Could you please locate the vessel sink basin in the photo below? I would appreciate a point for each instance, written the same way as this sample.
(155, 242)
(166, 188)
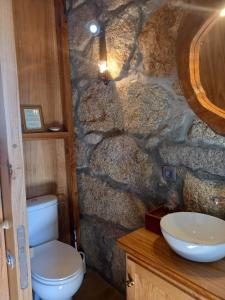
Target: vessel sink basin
(194, 236)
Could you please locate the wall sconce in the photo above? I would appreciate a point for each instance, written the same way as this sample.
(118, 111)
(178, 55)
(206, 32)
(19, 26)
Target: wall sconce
(103, 72)
(222, 12)
(97, 29)
(103, 67)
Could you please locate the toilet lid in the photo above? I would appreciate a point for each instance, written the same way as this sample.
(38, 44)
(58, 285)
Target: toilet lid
(55, 261)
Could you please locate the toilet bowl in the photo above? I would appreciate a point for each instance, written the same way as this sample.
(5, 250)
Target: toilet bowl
(57, 269)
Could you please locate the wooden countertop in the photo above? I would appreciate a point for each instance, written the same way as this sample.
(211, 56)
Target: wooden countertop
(207, 279)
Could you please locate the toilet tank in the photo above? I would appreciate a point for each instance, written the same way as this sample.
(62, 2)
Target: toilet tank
(42, 219)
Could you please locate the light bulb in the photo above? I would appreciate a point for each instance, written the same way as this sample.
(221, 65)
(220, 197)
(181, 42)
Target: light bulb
(103, 67)
(222, 12)
(93, 27)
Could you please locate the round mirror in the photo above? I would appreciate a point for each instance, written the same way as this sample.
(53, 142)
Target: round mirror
(201, 64)
(212, 62)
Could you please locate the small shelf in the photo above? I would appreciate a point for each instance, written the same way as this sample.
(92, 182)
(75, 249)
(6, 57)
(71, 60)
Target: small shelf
(45, 135)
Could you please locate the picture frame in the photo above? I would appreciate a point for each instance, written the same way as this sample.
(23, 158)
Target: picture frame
(32, 118)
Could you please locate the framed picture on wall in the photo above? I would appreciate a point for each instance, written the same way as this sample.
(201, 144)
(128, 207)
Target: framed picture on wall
(32, 118)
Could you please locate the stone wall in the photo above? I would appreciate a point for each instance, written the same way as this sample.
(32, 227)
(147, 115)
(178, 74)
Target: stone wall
(127, 131)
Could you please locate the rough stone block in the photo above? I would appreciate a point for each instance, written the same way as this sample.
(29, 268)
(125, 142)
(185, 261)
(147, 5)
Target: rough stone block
(204, 159)
(114, 4)
(199, 193)
(99, 108)
(120, 158)
(99, 199)
(201, 133)
(81, 154)
(120, 39)
(85, 63)
(77, 20)
(93, 138)
(145, 106)
(98, 240)
(157, 41)
(150, 6)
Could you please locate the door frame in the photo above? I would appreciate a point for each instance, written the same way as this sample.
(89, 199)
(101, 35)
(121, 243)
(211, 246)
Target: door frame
(11, 157)
(4, 286)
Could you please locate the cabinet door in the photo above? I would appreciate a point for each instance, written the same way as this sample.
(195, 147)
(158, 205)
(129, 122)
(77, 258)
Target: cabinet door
(144, 285)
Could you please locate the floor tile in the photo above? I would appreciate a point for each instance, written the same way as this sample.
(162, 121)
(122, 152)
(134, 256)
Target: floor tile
(95, 288)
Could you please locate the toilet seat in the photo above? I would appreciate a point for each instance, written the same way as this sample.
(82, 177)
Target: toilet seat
(55, 262)
(62, 282)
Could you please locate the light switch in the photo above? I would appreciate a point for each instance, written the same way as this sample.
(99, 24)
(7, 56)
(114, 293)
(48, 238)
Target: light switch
(169, 173)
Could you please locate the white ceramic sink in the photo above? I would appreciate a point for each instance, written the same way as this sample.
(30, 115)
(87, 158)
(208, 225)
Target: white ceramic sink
(195, 236)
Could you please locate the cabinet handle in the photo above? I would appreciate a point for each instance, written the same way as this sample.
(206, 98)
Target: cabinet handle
(130, 281)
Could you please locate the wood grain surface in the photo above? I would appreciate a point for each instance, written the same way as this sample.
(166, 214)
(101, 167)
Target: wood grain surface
(149, 286)
(204, 279)
(37, 57)
(212, 63)
(65, 81)
(4, 287)
(11, 152)
(188, 48)
(44, 79)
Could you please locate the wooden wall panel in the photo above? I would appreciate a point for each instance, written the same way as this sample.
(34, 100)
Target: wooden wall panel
(45, 167)
(64, 66)
(37, 57)
(44, 79)
(45, 172)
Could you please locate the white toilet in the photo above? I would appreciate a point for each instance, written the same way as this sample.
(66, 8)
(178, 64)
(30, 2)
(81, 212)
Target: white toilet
(57, 269)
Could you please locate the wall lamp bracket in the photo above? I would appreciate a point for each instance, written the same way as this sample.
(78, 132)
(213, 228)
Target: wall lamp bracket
(97, 29)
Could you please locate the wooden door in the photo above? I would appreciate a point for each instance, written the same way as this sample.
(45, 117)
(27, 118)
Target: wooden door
(11, 163)
(148, 286)
(4, 288)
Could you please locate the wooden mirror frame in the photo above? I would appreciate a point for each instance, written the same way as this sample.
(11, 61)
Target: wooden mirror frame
(194, 26)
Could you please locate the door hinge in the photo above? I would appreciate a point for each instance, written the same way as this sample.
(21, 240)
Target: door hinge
(10, 170)
(10, 259)
(6, 224)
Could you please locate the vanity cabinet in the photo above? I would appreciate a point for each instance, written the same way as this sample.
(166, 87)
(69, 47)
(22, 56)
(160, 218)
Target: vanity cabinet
(155, 272)
(149, 286)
